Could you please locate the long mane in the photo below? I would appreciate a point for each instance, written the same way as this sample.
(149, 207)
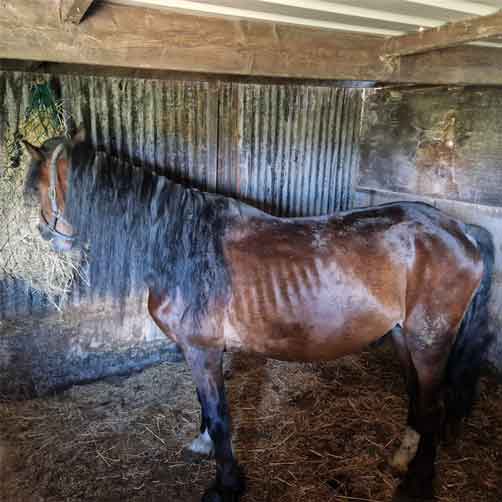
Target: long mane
(145, 230)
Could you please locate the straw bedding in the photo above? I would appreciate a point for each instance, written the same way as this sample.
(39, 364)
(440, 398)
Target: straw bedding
(304, 432)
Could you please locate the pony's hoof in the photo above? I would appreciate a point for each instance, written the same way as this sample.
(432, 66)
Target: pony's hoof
(407, 493)
(214, 494)
(228, 493)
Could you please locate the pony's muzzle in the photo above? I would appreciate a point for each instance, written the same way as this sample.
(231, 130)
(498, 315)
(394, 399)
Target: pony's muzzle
(59, 245)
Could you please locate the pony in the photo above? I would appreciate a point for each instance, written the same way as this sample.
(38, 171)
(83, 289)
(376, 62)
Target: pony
(224, 276)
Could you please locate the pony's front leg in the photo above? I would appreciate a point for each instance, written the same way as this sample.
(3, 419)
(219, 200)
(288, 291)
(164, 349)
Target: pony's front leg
(206, 367)
(202, 445)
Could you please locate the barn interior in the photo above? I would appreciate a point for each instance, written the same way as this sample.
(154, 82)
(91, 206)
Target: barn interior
(299, 108)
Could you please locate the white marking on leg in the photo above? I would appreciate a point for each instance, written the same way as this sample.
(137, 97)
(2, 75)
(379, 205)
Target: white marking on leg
(407, 451)
(202, 445)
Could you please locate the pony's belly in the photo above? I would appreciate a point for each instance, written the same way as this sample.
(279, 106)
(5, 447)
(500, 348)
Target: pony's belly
(314, 340)
(312, 308)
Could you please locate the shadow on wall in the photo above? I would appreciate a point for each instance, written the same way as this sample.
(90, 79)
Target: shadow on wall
(51, 351)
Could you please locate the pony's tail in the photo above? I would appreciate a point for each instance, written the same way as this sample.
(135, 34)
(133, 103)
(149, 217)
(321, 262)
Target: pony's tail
(473, 339)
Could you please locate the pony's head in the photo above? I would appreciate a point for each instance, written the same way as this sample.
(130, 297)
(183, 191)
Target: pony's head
(47, 185)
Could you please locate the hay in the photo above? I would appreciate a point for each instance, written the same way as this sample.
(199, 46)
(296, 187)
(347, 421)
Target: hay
(304, 432)
(23, 254)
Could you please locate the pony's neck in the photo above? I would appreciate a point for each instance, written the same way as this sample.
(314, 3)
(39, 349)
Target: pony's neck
(142, 228)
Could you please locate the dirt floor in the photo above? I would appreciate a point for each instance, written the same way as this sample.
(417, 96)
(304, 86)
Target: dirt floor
(303, 432)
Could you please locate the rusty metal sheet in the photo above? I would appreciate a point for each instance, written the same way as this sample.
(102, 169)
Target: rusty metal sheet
(292, 150)
(162, 124)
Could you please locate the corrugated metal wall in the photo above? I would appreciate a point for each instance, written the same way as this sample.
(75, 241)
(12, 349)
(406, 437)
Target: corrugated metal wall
(166, 125)
(290, 149)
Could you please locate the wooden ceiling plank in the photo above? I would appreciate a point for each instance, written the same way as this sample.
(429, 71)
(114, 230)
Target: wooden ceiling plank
(223, 10)
(200, 7)
(354, 11)
(473, 8)
(448, 35)
(139, 37)
(150, 39)
(77, 10)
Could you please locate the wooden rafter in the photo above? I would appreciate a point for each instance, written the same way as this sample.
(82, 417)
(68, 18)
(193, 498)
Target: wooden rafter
(139, 37)
(448, 35)
(147, 39)
(242, 12)
(77, 10)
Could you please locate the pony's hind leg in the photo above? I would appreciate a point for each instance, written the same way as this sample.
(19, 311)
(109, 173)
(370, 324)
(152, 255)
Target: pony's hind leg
(429, 354)
(409, 444)
(206, 367)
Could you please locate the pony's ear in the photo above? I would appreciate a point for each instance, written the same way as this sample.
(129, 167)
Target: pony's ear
(35, 152)
(80, 136)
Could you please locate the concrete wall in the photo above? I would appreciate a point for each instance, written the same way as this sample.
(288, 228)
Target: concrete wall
(442, 146)
(43, 353)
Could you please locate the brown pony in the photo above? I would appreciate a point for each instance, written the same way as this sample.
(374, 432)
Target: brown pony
(222, 275)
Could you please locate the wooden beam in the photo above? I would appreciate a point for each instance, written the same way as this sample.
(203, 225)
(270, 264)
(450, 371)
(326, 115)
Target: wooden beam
(157, 40)
(77, 10)
(244, 13)
(238, 8)
(459, 65)
(448, 35)
(124, 72)
(138, 37)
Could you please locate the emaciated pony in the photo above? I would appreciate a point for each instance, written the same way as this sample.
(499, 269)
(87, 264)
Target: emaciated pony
(222, 275)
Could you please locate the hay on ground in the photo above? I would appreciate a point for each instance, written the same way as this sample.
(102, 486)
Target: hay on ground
(304, 432)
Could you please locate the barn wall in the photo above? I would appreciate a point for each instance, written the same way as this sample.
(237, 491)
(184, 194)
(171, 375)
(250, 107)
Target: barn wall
(443, 146)
(290, 149)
